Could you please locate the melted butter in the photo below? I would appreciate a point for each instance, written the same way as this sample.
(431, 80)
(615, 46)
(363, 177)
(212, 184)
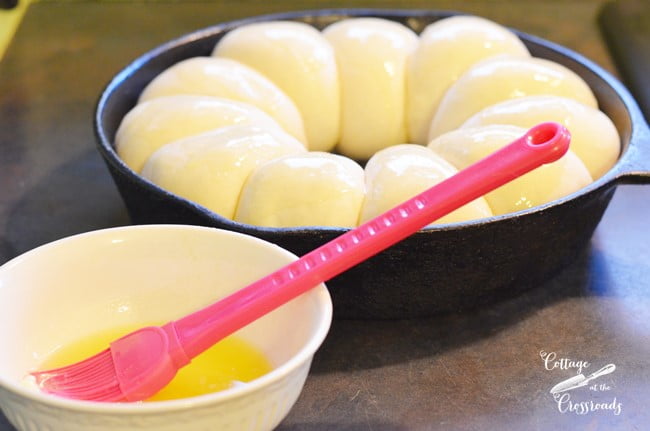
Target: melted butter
(227, 363)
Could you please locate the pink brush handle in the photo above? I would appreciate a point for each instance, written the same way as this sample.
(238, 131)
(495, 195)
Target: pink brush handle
(544, 143)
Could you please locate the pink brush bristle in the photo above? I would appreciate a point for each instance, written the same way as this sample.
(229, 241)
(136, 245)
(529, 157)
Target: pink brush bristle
(93, 379)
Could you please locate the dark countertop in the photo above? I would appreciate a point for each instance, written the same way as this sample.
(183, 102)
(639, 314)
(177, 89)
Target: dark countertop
(473, 371)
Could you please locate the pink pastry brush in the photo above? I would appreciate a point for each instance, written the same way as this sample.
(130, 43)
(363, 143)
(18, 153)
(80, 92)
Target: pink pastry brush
(141, 363)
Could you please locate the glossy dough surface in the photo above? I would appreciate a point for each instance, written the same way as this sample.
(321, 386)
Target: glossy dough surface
(228, 79)
(371, 55)
(400, 172)
(594, 137)
(447, 48)
(160, 121)
(211, 168)
(497, 79)
(311, 189)
(298, 59)
(463, 147)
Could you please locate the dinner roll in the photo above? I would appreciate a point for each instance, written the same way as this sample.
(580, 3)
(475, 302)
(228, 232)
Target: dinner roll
(464, 147)
(211, 168)
(371, 55)
(311, 189)
(298, 59)
(594, 137)
(154, 123)
(501, 78)
(398, 173)
(446, 49)
(228, 79)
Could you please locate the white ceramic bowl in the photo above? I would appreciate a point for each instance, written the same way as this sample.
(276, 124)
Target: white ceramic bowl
(78, 286)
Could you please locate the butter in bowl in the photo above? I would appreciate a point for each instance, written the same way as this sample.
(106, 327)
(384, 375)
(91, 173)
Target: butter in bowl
(87, 288)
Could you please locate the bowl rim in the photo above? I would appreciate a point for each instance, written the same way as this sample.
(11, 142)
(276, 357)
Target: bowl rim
(614, 175)
(304, 355)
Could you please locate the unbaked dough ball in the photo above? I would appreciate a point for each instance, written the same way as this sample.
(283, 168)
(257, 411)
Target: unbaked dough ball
(446, 49)
(497, 79)
(152, 124)
(298, 59)
(464, 147)
(371, 55)
(400, 172)
(312, 189)
(594, 137)
(229, 79)
(211, 168)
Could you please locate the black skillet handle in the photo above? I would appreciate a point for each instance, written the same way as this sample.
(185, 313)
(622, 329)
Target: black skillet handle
(634, 166)
(625, 25)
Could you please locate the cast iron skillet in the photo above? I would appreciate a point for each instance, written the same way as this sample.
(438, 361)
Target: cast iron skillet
(440, 269)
